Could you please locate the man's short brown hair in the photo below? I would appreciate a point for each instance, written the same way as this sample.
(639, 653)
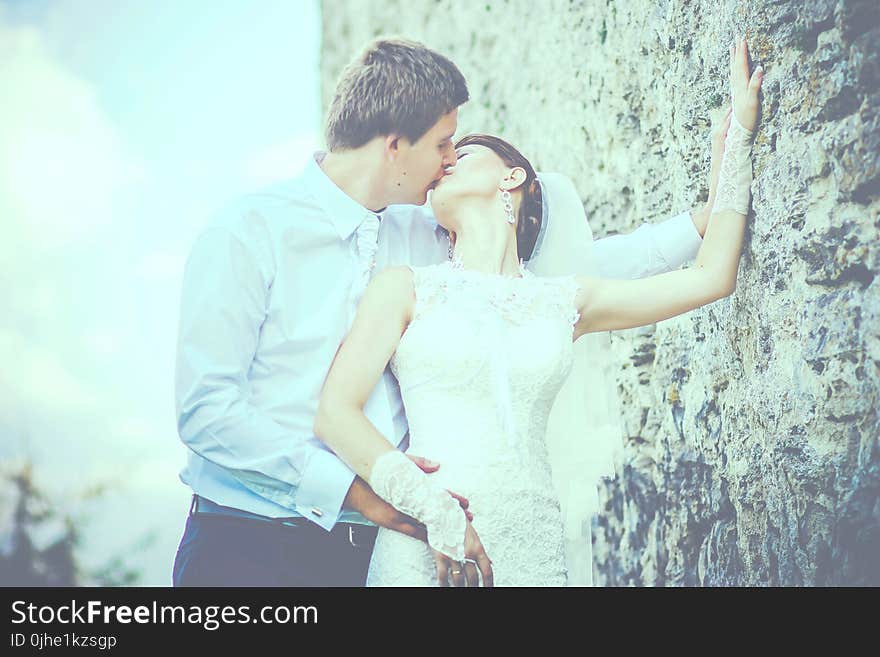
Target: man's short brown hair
(395, 86)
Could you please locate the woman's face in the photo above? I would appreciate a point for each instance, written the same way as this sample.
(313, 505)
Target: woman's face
(476, 176)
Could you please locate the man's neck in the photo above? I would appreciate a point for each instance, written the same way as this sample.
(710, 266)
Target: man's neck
(350, 172)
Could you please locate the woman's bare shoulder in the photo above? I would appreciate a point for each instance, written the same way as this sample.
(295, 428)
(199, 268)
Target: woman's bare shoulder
(392, 279)
(392, 289)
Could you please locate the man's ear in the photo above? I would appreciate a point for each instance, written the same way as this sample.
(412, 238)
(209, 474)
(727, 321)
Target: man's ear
(392, 146)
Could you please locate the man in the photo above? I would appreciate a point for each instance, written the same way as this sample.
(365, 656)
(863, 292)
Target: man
(269, 292)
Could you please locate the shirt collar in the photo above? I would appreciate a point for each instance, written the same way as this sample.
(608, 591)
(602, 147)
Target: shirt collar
(345, 213)
(439, 230)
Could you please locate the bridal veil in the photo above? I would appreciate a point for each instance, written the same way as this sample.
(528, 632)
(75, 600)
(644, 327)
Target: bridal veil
(584, 431)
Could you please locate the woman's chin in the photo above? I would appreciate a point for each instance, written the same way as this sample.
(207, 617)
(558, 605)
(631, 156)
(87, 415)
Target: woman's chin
(440, 204)
(437, 196)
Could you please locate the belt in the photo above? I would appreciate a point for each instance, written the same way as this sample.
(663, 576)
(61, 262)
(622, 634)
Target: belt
(358, 534)
(204, 505)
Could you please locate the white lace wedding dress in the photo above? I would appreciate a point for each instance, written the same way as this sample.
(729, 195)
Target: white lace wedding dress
(479, 367)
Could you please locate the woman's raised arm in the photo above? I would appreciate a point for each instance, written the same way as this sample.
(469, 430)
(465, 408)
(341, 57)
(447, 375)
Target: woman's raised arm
(606, 304)
(611, 304)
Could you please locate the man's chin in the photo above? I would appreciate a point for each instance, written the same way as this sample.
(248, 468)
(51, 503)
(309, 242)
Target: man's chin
(426, 194)
(417, 198)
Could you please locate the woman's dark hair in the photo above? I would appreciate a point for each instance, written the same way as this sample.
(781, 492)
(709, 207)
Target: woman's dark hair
(530, 209)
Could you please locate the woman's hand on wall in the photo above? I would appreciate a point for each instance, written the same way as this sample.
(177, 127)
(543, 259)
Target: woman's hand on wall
(744, 86)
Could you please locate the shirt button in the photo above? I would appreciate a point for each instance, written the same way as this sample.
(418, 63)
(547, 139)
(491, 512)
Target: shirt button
(316, 511)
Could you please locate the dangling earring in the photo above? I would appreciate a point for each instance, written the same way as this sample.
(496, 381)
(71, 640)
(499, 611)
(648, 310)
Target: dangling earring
(508, 206)
(449, 251)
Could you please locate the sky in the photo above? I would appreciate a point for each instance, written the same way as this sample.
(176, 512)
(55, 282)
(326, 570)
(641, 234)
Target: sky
(123, 124)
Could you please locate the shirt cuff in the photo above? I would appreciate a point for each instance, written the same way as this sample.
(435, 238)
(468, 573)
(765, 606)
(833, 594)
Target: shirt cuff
(678, 240)
(322, 489)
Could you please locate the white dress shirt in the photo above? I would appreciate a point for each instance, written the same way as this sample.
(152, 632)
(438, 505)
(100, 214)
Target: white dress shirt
(269, 290)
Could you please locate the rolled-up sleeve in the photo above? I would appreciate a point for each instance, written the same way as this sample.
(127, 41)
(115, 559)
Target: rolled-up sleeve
(649, 250)
(226, 287)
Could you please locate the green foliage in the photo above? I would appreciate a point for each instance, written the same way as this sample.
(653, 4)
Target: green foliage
(23, 563)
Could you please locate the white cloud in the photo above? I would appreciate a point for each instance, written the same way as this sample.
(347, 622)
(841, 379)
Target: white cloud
(279, 161)
(111, 156)
(62, 162)
(161, 266)
(34, 376)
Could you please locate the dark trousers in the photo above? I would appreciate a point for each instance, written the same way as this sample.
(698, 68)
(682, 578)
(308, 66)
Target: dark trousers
(221, 550)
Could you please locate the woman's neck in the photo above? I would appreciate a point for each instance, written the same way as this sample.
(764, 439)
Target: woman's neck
(483, 246)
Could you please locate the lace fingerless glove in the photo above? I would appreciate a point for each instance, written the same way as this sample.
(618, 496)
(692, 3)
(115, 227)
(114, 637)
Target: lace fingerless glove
(400, 482)
(735, 173)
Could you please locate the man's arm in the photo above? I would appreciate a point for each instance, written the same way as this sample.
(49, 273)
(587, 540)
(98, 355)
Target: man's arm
(224, 304)
(650, 249)
(225, 295)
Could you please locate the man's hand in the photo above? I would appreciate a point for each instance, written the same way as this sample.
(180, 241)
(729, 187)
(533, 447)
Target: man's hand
(361, 498)
(476, 562)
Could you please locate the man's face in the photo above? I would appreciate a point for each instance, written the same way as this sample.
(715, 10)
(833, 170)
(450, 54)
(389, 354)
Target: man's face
(421, 165)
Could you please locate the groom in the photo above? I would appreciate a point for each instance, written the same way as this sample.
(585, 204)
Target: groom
(269, 292)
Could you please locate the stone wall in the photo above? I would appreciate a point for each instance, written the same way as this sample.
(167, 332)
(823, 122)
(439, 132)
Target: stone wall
(752, 424)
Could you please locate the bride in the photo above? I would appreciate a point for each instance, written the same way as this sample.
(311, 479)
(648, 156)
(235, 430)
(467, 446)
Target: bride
(481, 348)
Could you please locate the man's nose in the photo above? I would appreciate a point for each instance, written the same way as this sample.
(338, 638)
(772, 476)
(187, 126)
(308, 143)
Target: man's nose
(451, 159)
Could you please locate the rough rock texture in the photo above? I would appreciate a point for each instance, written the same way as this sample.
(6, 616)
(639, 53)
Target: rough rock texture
(752, 427)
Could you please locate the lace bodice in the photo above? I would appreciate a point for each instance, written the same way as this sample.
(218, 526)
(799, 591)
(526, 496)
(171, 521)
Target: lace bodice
(479, 367)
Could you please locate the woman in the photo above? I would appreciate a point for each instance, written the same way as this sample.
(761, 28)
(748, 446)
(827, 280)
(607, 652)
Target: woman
(481, 348)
